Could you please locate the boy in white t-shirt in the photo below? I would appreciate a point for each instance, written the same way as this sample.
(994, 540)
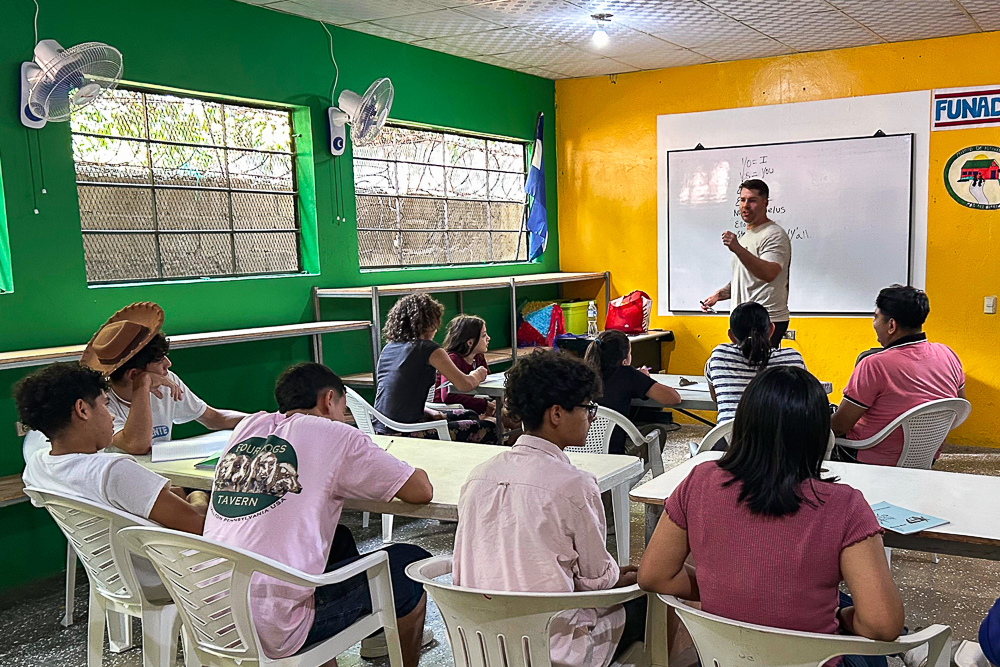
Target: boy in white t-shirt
(146, 398)
(68, 403)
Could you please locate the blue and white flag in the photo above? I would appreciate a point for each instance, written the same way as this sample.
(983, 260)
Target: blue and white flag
(538, 222)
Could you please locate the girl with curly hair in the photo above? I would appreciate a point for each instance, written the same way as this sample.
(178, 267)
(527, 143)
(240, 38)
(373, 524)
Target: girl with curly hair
(407, 370)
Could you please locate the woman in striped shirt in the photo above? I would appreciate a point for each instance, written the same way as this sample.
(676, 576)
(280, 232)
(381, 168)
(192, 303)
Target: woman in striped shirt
(732, 365)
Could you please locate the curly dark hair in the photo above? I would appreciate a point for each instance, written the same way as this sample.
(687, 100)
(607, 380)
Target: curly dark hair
(45, 399)
(411, 317)
(153, 351)
(545, 378)
(299, 386)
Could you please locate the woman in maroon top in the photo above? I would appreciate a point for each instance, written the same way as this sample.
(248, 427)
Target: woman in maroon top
(466, 343)
(771, 537)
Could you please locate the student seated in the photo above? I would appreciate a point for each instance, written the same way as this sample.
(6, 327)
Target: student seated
(406, 373)
(466, 344)
(279, 490)
(146, 397)
(732, 365)
(908, 371)
(771, 536)
(69, 405)
(611, 355)
(529, 520)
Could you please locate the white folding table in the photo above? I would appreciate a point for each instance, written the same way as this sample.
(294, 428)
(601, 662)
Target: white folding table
(962, 499)
(448, 464)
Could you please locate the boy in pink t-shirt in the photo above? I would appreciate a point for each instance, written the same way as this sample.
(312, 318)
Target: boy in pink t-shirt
(279, 490)
(908, 371)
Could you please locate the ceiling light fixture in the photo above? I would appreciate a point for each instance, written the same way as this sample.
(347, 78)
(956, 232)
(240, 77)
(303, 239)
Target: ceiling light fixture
(600, 36)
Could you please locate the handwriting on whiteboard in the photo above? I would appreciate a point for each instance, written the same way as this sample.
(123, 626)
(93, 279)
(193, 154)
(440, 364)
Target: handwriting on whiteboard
(759, 167)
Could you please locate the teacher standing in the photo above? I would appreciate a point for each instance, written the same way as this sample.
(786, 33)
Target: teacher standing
(761, 258)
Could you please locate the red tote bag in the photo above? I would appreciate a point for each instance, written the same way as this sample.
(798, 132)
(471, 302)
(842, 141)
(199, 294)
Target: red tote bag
(629, 313)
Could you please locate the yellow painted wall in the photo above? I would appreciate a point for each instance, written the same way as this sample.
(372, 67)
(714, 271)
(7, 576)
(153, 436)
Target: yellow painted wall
(606, 140)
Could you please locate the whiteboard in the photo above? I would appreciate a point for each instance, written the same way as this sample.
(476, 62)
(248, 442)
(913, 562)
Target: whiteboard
(845, 203)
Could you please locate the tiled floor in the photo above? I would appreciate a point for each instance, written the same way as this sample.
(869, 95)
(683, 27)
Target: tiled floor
(955, 591)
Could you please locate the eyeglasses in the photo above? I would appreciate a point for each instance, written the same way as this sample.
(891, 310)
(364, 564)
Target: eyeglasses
(591, 409)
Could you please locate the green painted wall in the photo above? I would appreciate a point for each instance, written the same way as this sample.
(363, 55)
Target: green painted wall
(229, 48)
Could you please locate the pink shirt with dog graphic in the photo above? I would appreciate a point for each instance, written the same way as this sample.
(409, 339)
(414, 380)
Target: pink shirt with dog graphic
(279, 489)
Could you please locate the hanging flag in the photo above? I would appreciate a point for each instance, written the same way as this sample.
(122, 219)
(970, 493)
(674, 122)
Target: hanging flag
(538, 222)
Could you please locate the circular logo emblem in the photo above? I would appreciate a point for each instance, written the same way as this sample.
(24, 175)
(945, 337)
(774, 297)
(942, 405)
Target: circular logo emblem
(972, 177)
(254, 475)
(338, 143)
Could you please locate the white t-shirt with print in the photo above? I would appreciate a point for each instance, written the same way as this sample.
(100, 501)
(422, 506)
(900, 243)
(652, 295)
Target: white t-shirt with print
(770, 243)
(166, 411)
(116, 480)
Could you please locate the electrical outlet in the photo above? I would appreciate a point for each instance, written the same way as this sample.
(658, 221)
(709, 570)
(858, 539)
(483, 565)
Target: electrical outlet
(789, 335)
(990, 305)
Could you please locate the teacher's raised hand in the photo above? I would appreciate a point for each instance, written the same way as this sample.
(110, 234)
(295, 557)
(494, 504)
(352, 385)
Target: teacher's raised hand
(731, 241)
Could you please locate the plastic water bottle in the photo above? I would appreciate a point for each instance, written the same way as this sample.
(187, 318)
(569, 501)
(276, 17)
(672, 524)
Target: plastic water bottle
(592, 318)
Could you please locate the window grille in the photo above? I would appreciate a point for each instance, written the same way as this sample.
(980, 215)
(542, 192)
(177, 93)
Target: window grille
(432, 198)
(177, 187)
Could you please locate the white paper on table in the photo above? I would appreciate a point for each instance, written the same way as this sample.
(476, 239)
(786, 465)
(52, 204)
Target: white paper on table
(199, 447)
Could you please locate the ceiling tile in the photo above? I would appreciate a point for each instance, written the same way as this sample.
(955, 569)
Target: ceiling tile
(648, 15)
(569, 31)
(382, 31)
(441, 23)
(742, 49)
(367, 10)
(988, 20)
(548, 55)
(596, 67)
(327, 16)
(818, 30)
(513, 13)
(720, 29)
(908, 19)
(625, 41)
(663, 59)
(742, 10)
(538, 71)
(438, 45)
(500, 62)
(492, 42)
(980, 6)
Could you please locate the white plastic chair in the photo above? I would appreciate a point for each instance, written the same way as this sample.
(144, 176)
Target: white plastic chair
(505, 629)
(599, 438)
(718, 432)
(120, 586)
(212, 584)
(924, 429)
(433, 405)
(724, 642)
(363, 416)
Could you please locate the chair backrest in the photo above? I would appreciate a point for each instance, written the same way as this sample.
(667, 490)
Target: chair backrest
(718, 432)
(722, 642)
(926, 426)
(499, 628)
(92, 530)
(599, 435)
(361, 410)
(210, 583)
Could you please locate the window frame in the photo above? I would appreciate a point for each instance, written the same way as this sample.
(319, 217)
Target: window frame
(302, 192)
(522, 231)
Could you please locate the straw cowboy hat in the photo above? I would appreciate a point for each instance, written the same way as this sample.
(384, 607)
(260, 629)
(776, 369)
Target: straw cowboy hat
(128, 331)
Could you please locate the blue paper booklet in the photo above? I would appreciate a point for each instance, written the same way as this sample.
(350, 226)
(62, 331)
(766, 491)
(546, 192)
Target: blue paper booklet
(902, 520)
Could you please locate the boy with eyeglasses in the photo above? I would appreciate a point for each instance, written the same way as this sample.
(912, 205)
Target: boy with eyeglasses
(530, 521)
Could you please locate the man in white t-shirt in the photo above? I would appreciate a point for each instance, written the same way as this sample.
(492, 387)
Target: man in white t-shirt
(146, 398)
(761, 259)
(68, 403)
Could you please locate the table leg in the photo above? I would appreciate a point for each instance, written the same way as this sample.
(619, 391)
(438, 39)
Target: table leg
(653, 513)
(620, 505)
(70, 585)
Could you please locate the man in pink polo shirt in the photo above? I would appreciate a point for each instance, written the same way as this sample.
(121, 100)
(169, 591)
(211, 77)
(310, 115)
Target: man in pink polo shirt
(908, 371)
(279, 489)
(529, 520)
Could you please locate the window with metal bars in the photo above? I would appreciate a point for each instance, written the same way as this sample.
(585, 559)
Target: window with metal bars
(435, 198)
(174, 187)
